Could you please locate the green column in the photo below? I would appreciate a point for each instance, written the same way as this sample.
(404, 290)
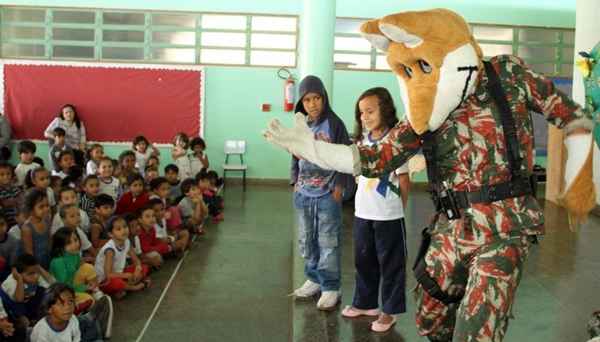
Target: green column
(317, 29)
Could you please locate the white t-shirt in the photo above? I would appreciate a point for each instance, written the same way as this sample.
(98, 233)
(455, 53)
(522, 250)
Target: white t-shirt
(91, 168)
(9, 286)
(370, 204)
(119, 259)
(142, 158)
(112, 188)
(57, 222)
(196, 165)
(185, 169)
(21, 171)
(43, 332)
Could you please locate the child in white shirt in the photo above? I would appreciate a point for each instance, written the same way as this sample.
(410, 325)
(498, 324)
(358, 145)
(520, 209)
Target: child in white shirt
(143, 151)
(26, 154)
(109, 184)
(59, 324)
(180, 157)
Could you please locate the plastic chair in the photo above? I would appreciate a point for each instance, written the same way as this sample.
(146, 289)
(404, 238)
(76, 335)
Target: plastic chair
(235, 147)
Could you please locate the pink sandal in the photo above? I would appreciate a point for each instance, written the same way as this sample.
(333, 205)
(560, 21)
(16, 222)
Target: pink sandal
(352, 312)
(382, 327)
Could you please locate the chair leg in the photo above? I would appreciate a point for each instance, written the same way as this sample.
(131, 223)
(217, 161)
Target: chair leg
(244, 181)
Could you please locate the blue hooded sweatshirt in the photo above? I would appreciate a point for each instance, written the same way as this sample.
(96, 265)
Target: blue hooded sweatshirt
(313, 181)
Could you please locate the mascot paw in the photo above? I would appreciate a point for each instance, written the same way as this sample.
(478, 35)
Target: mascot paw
(579, 197)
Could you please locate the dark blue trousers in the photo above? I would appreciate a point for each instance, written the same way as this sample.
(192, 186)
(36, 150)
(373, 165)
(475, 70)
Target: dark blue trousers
(380, 260)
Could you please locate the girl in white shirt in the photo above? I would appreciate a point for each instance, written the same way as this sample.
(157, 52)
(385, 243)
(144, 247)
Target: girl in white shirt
(143, 151)
(108, 184)
(379, 232)
(94, 155)
(179, 153)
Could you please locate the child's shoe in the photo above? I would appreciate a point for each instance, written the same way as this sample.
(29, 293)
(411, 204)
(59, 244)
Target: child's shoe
(328, 300)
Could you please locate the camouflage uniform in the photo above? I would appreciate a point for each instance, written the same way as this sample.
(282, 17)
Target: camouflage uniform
(487, 247)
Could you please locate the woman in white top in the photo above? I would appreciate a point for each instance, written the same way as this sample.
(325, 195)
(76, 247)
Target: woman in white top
(379, 232)
(75, 135)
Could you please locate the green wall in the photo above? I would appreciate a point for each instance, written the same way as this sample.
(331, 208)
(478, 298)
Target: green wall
(234, 94)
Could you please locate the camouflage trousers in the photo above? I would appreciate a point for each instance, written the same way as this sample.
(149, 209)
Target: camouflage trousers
(488, 275)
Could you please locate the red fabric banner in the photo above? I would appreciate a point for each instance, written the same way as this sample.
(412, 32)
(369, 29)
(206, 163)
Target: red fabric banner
(114, 103)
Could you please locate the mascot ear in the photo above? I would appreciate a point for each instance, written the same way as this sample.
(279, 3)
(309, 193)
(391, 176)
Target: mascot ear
(399, 35)
(370, 31)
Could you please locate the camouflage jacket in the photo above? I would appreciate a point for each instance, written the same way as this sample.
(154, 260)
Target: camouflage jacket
(470, 150)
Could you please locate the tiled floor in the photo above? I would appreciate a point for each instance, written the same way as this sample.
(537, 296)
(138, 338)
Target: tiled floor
(233, 285)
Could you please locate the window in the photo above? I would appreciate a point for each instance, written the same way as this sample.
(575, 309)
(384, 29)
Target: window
(547, 50)
(161, 37)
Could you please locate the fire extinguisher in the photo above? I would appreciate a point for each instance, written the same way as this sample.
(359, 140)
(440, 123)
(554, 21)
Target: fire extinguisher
(289, 89)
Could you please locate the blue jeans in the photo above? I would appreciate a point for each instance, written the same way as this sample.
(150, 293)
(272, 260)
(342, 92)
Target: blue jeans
(319, 235)
(380, 260)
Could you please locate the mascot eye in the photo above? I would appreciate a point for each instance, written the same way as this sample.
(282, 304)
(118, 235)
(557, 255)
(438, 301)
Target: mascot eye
(408, 71)
(425, 66)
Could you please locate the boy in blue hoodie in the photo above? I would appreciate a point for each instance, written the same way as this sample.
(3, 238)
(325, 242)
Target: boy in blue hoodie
(318, 197)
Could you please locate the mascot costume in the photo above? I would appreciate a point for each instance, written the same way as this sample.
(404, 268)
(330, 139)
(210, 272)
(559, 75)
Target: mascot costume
(471, 118)
(590, 68)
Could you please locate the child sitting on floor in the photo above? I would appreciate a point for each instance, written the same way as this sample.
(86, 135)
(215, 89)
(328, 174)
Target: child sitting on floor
(91, 189)
(172, 176)
(108, 184)
(65, 160)
(22, 292)
(209, 195)
(40, 179)
(152, 259)
(192, 208)
(35, 232)
(178, 239)
(58, 147)
(10, 194)
(99, 234)
(135, 198)
(116, 279)
(68, 267)
(9, 248)
(70, 215)
(148, 239)
(68, 196)
(94, 155)
(26, 156)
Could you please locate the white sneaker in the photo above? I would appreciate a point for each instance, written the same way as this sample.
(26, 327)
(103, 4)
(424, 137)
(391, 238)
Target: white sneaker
(328, 300)
(309, 289)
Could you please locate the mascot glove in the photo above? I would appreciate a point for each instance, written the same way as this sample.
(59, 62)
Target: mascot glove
(579, 196)
(300, 141)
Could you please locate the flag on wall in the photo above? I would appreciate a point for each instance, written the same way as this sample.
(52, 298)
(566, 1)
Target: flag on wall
(116, 102)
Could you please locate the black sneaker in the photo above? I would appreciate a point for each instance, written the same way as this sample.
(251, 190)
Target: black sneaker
(102, 313)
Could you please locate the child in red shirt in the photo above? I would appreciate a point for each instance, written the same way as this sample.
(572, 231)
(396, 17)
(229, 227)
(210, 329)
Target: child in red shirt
(134, 199)
(148, 240)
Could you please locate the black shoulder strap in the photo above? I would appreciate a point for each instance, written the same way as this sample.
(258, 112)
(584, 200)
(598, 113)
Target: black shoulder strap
(506, 117)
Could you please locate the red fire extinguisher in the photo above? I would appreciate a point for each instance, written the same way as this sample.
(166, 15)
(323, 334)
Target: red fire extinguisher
(289, 89)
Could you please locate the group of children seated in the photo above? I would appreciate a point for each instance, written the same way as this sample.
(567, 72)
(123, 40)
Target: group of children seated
(85, 230)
